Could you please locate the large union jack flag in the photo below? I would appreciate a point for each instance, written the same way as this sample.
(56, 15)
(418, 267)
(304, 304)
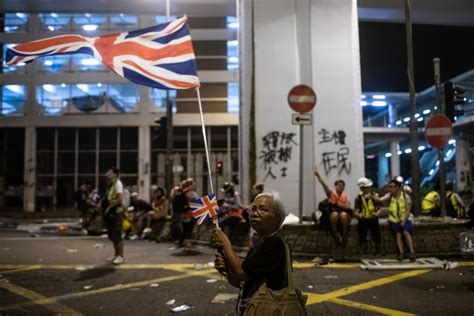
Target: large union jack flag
(160, 56)
(204, 208)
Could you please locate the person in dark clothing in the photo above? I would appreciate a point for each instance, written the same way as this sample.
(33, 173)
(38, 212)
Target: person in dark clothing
(265, 261)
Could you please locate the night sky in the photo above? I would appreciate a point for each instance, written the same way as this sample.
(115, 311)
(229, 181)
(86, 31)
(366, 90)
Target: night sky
(384, 61)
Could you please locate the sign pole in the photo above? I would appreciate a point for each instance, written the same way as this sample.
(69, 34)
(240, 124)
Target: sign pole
(442, 167)
(300, 180)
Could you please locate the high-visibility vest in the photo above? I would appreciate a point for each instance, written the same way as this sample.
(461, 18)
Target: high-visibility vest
(397, 208)
(428, 202)
(367, 206)
(454, 202)
(111, 194)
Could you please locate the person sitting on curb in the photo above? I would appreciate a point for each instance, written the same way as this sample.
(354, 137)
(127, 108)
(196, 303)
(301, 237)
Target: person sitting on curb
(340, 210)
(399, 217)
(367, 210)
(160, 207)
(430, 205)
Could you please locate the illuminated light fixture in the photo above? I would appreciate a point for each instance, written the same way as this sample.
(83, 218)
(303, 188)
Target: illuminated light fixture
(449, 153)
(388, 155)
(90, 62)
(21, 15)
(431, 172)
(378, 96)
(233, 43)
(14, 88)
(399, 152)
(437, 162)
(21, 64)
(49, 87)
(452, 141)
(435, 107)
(419, 119)
(88, 15)
(48, 63)
(54, 15)
(370, 156)
(233, 59)
(90, 27)
(63, 85)
(406, 119)
(427, 111)
(99, 84)
(420, 148)
(389, 125)
(363, 103)
(363, 96)
(379, 103)
(51, 28)
(408, 150)
(83, 87)
(417, 115)
(398, 122)
(233, 25)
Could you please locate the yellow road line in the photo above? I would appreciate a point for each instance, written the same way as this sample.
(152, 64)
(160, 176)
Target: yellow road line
(368, 307)
(35, 298)
(305, 265)
(169, 266)
(467, 263)
(43, 301)
(319, 298)
(26, 268)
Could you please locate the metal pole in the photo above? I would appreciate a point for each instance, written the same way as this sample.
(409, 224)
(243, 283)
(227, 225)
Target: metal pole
(300, 185)
(169, 142)
(442, 166)
(415, 167)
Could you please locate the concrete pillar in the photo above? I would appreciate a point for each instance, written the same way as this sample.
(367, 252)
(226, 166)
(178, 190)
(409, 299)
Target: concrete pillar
(394, 159)
(383, 171)
(144, 167)
(29, 187)
(463, 165)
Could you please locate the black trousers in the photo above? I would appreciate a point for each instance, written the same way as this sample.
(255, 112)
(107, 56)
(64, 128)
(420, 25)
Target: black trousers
(371, 224)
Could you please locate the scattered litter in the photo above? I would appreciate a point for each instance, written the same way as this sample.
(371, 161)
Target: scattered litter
(291, 219)
(41, 221)
(221, 287)
(448, 265)
(211, 280)
(99, 246)
(135, 289)
(170, 302)
(440, 287)
(87, 287)
(172, 248)
(204, 266)
(310, 286)
(4, 249)
(80, 268)
(4, 281)
(330, 277)
(431, 290)
(40, 259)
(181, 308)
(374, 297)
(221, 298)
(34, 235)
(466, 242)
(460, 273)
(71, 250)
(103, 236)
(154, 285)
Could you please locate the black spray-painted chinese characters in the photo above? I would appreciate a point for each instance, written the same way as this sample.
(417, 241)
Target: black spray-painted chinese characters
(277, 147)
(335, 158)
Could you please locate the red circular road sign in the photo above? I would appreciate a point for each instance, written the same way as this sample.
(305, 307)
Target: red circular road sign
(438, 130)
(302, 98)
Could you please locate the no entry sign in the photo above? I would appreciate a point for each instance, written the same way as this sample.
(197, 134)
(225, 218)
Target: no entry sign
(302, 98)
(438, 131)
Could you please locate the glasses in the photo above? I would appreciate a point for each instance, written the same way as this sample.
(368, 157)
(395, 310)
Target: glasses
(254, 209)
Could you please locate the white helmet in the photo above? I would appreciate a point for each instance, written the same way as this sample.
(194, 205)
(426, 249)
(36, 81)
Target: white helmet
(364, 182)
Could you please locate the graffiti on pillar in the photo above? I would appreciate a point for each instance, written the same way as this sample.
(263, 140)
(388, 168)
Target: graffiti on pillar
(337, 158)
(276, 152)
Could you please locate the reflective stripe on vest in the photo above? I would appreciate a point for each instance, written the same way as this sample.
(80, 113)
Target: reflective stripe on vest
(428, 202)
(397, 208)
(368, 209)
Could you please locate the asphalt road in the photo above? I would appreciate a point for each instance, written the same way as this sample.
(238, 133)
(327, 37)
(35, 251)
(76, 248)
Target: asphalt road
(67, 275)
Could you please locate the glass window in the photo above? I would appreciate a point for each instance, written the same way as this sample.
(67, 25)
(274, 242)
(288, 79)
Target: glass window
(232, 55)
(180, 138)
(88, 97)
(65, 191)
(106, 161)
(219, 137)
(17, 69)
(89, 22)
(66, 138)
(163, 19)
(54, 64)
(233, 97)
(123, 97)
(15, 22)
(158, 97)
(129, 138)
(45, 162)
(108, 138)
(124, 21)
(55, 21)
(53, 98)
(86, 163)
(65, 163)
(84, 62)
(45, 138)
(13, 99)
(87, 139)
(129, 162)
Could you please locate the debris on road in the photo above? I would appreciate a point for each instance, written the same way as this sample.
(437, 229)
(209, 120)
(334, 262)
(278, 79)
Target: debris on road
(80, 268)
(222, 298)
(154, 285)
(310, 286)
(87, 287)
(211, 280)
(171, 302)
(70, 250)
(181, 308)
(330, 276)
(99, 246)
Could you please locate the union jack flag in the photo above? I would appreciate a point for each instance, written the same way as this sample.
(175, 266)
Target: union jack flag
(160, 56)
(204, 208)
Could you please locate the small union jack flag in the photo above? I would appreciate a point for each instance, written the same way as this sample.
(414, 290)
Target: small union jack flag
(160, 56)
(204, 208)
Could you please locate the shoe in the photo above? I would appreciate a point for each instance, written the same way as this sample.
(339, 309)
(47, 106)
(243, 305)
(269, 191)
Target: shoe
(400, 257)
(84, 232)
(146, 231)
(111, 259)
(118, 260)
(134, 237)
(412, 257)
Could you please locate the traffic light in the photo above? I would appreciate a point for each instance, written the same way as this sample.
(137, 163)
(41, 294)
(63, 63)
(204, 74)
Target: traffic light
(453, 96)
(219, 167)
(162, 126)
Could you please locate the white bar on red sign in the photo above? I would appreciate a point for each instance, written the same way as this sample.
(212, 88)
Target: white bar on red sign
(302, 98)
(438, 131)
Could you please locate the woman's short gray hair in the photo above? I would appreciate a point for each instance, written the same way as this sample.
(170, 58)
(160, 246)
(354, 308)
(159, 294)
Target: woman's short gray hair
(278, 207)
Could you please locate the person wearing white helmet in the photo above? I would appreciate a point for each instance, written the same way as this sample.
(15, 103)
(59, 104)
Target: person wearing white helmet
(366, 209)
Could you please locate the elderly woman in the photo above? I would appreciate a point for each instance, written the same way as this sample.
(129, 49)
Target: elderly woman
(265, 261)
